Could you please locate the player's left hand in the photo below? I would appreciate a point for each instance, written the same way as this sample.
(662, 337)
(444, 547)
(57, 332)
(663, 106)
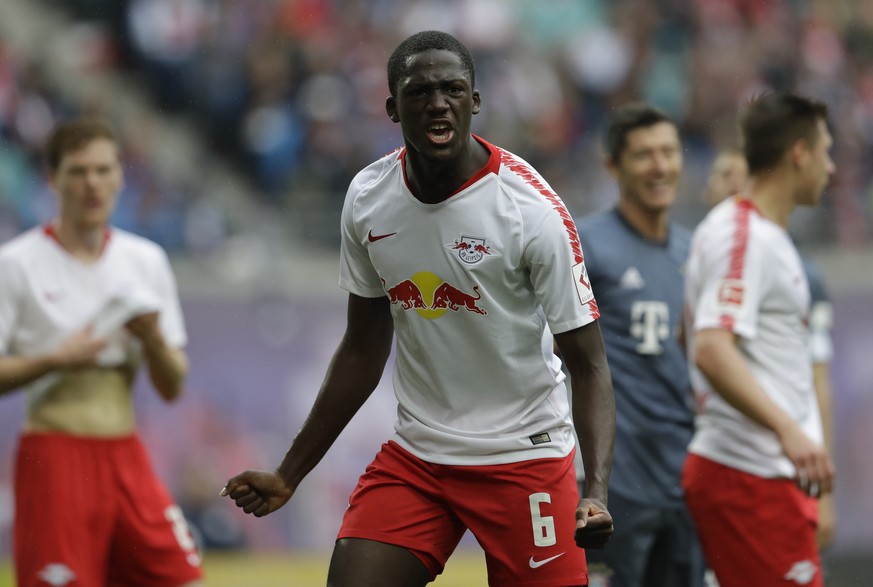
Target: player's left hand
(145, 327)
(593, 524)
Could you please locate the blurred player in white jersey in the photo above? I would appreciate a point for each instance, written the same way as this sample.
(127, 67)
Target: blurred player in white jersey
(465, 252)
(82, 306)
(758, 461)
(729, 176)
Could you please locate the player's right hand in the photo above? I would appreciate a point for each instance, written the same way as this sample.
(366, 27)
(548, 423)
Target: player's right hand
(257, 492)
(79, 350)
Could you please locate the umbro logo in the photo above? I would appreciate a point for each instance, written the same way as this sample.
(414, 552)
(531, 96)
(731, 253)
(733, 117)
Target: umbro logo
(535, 564)
(802, 572)
(57, 574)
(631, 279)
(374, 237)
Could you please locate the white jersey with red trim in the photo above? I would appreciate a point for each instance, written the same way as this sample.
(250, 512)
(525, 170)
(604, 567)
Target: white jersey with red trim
(745, 275)
(46, 295)
(477, 284)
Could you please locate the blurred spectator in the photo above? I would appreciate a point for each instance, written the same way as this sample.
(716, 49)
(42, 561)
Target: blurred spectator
(271, 81)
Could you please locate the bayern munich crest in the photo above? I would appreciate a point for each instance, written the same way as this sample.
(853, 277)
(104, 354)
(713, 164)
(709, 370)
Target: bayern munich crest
(471, 249)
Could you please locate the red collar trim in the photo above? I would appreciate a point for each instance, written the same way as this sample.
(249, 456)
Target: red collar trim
(491, 166)
(49, 230)
(747, 204)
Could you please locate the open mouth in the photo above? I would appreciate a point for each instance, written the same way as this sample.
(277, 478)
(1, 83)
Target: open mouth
(440, 133)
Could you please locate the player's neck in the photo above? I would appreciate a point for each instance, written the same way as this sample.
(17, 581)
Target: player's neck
(85, 242)
(432, 183)
(773, 197)
(653, 225)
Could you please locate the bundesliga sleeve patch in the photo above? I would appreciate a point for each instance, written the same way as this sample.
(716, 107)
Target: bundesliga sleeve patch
(730, 294)
(583, 286)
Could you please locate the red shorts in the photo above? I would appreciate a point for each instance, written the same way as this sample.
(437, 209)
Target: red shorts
(91, 512)
(754, 530)
(523, 515)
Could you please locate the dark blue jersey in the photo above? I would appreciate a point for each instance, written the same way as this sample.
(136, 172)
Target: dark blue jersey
(639, 289)
(821, 313)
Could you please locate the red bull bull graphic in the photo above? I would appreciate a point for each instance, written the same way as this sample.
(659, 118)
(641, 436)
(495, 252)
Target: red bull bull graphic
(471, 249)
(405, 293)
(431, 296)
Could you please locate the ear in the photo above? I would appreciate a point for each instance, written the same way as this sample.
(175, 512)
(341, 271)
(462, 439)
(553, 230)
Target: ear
(477, 102)
(800, 153)
(391, 109)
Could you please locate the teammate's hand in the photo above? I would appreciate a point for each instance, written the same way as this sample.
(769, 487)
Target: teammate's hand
(593, 524)
(815, 470)
(79, 350)
(258, 492)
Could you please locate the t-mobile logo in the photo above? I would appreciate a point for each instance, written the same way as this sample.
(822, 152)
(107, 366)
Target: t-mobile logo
(650, 324)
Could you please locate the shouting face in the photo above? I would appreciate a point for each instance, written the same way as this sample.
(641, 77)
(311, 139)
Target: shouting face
(434, 104)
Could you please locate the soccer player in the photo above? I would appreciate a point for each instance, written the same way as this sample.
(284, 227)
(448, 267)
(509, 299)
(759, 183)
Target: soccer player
(729, 176)
(635, 256)
(758, 460)
(463, 251)
(82, 305)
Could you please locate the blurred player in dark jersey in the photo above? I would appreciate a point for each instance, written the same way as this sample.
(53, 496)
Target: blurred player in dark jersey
(635, 257)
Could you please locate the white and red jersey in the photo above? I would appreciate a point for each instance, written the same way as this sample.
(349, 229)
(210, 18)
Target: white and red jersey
(477, 284)
(745, 275)
(46, 294)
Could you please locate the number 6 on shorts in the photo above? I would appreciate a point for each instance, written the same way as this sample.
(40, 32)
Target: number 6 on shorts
(543, 526)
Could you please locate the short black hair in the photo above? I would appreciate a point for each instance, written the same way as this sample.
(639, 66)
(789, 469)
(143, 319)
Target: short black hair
(627, 118)
(426, 41)
(771, 123)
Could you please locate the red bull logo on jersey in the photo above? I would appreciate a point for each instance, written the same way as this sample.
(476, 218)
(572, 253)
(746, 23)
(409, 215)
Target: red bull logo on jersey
(431, 296)
(471, 249)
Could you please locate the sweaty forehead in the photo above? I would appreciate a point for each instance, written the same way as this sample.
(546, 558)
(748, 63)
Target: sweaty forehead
(434, 64)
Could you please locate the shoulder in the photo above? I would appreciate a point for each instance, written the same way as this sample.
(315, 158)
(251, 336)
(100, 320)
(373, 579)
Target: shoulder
(521, 176)
(137, 246)
(19, 248)
(374, 172)
(531, 193)
(595, 222)
(680, 235)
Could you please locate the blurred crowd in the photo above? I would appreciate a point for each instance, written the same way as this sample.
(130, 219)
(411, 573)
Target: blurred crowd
(291, 92)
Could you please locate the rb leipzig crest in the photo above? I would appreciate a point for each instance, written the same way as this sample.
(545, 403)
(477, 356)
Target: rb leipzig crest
(471, 249)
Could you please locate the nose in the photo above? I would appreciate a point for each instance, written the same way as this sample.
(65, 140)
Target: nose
(660, 162)
(437, 101)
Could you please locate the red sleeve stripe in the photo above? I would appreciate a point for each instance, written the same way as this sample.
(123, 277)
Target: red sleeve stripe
(737, 261)
(526, 173)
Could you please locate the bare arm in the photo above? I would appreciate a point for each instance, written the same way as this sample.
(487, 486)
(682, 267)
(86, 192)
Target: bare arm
(720, 361)
(167, 366)
(353, 374)
(594, 419)
(80, 350)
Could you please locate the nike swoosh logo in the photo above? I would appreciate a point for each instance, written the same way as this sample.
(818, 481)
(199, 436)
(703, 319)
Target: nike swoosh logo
(537, 564)
(373, 238)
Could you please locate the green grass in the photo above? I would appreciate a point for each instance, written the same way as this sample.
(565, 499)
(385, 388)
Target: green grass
(466, 568)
